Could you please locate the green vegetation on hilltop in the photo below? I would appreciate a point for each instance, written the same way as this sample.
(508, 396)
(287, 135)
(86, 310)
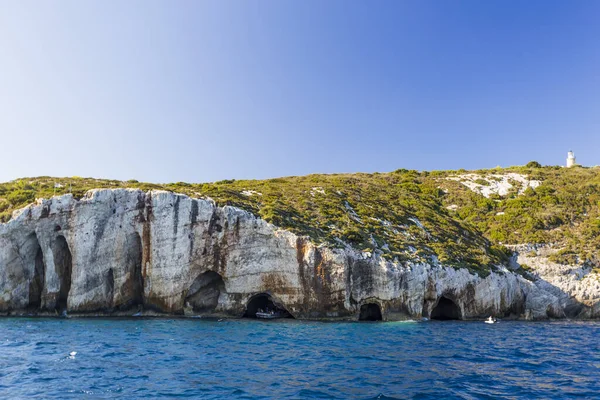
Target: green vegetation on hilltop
(406, 215)
(563, 210)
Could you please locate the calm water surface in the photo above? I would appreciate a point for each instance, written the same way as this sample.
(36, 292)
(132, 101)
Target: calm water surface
(140, 358)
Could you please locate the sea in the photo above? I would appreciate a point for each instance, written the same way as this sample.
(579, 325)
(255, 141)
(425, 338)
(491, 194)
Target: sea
(140, 358)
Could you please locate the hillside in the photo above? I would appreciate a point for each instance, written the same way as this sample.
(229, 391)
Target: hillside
(464, 218)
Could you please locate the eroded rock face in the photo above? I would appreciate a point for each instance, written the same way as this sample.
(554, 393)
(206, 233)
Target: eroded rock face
(124, 251)
(575, 288)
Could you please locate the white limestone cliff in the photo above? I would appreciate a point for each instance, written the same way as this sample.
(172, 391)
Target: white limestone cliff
(576, 287)
(123, 251)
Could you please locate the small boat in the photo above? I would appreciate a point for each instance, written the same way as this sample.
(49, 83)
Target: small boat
(271, 314)
(490, 320)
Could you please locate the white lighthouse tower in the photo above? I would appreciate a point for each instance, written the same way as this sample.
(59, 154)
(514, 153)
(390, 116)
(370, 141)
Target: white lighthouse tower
(570, 159)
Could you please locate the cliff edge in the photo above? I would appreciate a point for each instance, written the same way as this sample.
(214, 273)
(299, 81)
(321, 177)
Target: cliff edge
(124, 251)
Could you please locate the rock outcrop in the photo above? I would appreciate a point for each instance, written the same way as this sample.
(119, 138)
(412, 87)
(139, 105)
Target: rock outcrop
(125, 251)
(575, 288)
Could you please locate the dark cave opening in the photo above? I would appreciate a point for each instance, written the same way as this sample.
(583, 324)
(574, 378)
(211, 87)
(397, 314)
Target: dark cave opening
(63, 266)
(36, 284)
(203, 295)
(264, 302)
(110, 287)
(134, 266)
(370, 312)
(445, 310)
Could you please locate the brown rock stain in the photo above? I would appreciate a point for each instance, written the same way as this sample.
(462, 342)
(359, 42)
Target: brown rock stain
(305, 281)
(146, 241)
(275, 283)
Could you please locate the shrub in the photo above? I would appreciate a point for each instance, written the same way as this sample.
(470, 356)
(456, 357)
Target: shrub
(21, 197)
(533, 164)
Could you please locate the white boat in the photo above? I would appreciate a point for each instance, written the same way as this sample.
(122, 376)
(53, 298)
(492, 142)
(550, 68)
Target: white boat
(490, 320)
(271, 314)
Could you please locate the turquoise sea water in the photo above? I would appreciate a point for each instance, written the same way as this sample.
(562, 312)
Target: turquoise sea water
(250, 359)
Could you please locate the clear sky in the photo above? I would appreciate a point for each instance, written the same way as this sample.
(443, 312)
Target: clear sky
(199, 91)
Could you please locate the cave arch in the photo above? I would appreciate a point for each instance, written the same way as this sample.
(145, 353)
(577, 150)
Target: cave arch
(203, 294)
(264, 301)
(133, 259)
(370, 312)
(445, 310)
(36, 283)
(63, 264)
(110, 287)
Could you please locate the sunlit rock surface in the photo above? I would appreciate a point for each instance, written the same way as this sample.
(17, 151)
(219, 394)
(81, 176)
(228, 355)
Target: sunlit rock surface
(126, 252)
(575, 287)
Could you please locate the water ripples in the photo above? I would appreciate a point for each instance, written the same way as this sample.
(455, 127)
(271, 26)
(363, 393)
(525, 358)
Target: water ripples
(179, 358)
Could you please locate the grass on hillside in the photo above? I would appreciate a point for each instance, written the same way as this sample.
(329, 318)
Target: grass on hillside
(404, 214)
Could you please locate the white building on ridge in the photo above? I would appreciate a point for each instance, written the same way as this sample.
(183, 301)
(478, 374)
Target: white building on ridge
(570, 159)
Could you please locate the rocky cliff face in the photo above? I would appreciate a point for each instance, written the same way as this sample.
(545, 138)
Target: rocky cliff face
(124, 251)
(575, 288)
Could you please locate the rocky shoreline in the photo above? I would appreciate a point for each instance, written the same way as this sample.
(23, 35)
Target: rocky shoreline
(116, 252)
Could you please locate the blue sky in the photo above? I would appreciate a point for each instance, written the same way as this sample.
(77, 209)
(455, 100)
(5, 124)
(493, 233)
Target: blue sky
(206, 90)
